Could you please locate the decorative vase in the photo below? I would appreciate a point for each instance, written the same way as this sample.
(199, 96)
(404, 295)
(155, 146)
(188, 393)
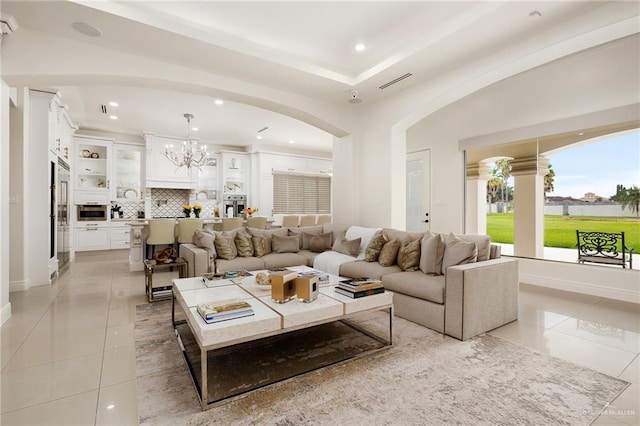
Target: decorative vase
(197, 213)
(187, 213)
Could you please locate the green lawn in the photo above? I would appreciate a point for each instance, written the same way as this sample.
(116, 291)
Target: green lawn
(560, 231)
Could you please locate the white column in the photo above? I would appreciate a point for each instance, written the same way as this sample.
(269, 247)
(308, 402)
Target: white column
(5, 199)
(528, 204)
(476, 198)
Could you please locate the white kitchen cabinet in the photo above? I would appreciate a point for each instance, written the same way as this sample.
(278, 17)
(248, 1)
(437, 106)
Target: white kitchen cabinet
(92, 236)
(160, 171)
(235, 172)
(317, 165)
(127, 172)
(93, 174)
(207, 185)
(120, 237)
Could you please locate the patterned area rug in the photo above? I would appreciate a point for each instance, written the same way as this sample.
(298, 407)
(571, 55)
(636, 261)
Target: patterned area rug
(424, 378)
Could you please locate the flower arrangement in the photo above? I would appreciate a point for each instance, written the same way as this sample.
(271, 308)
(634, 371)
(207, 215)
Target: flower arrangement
(249, 211)
(186, 209)
(197, 209)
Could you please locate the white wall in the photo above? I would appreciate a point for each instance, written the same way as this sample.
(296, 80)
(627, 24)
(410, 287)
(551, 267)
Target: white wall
(19, 128)
(5, 305)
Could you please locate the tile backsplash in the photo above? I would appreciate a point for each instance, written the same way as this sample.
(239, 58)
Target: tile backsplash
(129, 208)
(168, 202)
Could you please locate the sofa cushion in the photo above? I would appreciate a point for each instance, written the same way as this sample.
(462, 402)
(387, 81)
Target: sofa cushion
(416, 284)
(389, 253)
(204, 238)
(248, 263)
(483, 244)
(409, 254)
(225, 247)
(268, 234)
(261, 245)
(346, 246)
(320, 243)
(458, 252)
(365, 235)
(431, 253)
(290, 244)
(372, 251)
(330, 261)
(308, 256)
(363, 269)
(309, 231)
(337, 230)
(282, 260)
(244, 245)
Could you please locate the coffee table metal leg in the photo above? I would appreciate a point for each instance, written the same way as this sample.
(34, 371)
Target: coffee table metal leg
(204, 398)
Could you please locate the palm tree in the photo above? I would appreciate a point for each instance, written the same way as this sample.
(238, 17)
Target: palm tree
(504, 172)
(630, 198)
(493, 185)
(548, 181)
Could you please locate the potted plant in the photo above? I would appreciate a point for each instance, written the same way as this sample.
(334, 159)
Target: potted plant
(197, 209)
(186, 209)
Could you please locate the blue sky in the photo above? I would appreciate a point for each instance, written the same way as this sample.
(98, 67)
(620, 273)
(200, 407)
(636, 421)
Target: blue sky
(597, 167)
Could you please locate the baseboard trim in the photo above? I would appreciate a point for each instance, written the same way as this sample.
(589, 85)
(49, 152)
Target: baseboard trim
(581, 287)
(19, 285)
(5, 313)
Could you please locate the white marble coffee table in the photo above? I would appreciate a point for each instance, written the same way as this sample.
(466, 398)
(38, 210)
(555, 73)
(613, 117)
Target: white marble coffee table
(270, 318)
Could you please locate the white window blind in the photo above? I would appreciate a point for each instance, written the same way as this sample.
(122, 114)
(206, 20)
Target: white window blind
(297, 193)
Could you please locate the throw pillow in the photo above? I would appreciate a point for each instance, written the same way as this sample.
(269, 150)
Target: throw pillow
(365, 235)
(309, 230)
(389, 253)
(432, 250)
(344, 246)
(204, 238)
(289, 244)
(261, 246)
(283, 232)
(244, 245)
(483, 243)
(409, 255)
(317, 244)
(225, 247)
(375, 246)
(458, 252)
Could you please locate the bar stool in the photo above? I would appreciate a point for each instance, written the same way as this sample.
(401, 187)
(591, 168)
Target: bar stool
(186, 229)
(259, 222)
(308, 220)
(290, 221)
(161, 232)
(231, 223)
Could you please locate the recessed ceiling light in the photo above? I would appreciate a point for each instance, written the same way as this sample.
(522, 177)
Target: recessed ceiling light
(292, 141)
(111, 406)
(259, 137)
(86, 29)
(113, 104)
(581, 134)
(113, 117)
(195, 129)
(359, 47)
(218, 102)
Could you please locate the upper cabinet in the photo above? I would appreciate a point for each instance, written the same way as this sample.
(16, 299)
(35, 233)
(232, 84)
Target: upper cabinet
(60, 130)
(160, 171)
(93, 173)
(235, 172)
(127, 171)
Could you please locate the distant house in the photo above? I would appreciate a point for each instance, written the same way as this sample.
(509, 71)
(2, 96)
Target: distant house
(560, 199)
(591, 197)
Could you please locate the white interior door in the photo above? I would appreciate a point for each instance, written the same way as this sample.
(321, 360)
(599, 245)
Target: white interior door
(418, 194)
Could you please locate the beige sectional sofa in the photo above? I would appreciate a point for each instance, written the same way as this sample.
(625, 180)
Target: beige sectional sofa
(460, 286)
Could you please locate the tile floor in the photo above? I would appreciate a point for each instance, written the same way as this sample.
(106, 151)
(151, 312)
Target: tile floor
(67, 352)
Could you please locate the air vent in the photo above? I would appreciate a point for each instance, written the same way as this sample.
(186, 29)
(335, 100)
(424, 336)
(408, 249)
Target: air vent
(103, 108)
(402, 77)
(262, 130)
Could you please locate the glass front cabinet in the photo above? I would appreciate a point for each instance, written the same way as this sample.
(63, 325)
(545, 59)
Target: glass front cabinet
(127, 171)
(93, 170)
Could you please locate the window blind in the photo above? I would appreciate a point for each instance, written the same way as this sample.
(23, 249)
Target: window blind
(296, 193)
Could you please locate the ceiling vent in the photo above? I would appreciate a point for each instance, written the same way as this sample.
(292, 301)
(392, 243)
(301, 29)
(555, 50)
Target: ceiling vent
(103, 108)
(7, 25)
(394, 81)
(262, 130)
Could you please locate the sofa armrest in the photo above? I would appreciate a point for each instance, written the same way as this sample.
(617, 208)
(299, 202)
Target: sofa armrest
(197, 259)
(480, 297)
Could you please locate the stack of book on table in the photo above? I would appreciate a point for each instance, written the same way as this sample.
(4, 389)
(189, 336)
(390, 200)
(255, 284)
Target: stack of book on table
(224, 310)
(359, 287)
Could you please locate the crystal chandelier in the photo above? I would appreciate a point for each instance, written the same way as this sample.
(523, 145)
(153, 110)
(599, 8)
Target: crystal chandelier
(190, 154)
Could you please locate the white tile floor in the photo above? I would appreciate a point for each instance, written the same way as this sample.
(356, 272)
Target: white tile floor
(67, 352)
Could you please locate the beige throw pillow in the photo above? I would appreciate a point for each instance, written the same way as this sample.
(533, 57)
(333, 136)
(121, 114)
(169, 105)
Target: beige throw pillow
(458, 252)
(432, 251)
(244, 245)
(389, 253)
(320, 243)
(225, 247)
(375, 246)
(409, 255)
(349, 247)
(483, 243)
(289, 244)
(261, 246)
(268, 234)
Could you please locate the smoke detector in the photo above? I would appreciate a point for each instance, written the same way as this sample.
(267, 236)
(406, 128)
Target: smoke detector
(354, 97)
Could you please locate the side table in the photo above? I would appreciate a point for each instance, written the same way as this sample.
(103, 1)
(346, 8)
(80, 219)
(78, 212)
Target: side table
(162, 292)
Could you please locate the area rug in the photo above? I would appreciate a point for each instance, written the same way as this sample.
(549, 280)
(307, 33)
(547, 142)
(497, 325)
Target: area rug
(424, 378)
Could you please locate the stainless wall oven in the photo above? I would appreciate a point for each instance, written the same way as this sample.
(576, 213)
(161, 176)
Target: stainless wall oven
(91, 212)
